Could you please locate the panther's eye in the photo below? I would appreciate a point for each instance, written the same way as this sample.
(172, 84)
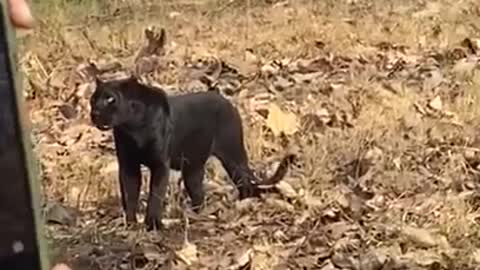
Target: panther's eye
(110, 100)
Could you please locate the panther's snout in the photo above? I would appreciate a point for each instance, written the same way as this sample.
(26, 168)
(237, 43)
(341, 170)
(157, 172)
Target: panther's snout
(103, 127)
(99, 121)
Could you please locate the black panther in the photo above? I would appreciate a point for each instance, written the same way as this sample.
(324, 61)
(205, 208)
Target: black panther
(179, 132)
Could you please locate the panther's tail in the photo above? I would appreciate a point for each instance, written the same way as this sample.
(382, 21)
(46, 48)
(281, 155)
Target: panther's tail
(279, 174)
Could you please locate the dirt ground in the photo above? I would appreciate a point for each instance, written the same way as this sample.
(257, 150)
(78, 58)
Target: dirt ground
(379, 99)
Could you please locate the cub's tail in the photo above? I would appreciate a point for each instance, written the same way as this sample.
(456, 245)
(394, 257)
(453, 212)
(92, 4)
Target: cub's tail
(278, 176)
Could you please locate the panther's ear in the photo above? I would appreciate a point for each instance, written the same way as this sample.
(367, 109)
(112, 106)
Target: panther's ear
(162, 100)
(133, 77)
(165, 104)
(160, 97)
(92, 69)
(98, 82)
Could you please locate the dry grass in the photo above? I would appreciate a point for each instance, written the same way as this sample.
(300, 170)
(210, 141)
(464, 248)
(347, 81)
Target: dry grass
(387, 173)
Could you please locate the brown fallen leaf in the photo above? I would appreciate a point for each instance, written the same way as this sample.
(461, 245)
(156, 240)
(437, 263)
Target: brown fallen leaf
(56, 213)
(339, 229)
(286, 190)
(346, 244)
(436, 103)
(473, 44)
(465, 67)
(281, 122)
(374, 154)
(328, 265)
(245, 205)
(320, 64)
(420, 237)
(343, 201)
(250, 63)
(423, 238)
(280, 204)
(373, 260)
(430, 9)
(344, 261)
(68, 111)
(434, 80)
(153, 253)
(425, 258)
(263, 257)
(281, 83)
(476, 256)
(242, 261)
(312, 201)
(111, 167)
(188, 254)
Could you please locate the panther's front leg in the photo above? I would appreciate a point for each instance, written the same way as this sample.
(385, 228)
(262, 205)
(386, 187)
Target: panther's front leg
(130, 181)
(130, 176)
(156, 200)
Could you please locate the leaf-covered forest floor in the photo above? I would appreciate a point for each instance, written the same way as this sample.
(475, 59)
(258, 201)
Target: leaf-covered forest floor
(379, 99)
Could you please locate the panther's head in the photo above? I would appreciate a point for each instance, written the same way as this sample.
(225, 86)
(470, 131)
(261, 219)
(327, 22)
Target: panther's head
(127, 102)
(109, 107)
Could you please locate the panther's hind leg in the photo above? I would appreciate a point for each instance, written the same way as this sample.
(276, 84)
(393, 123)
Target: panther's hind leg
(230, 150)
(242, 176)
(193, 181)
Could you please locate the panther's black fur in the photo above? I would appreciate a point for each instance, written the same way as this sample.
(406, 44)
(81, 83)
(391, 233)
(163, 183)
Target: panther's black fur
(178, 132)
